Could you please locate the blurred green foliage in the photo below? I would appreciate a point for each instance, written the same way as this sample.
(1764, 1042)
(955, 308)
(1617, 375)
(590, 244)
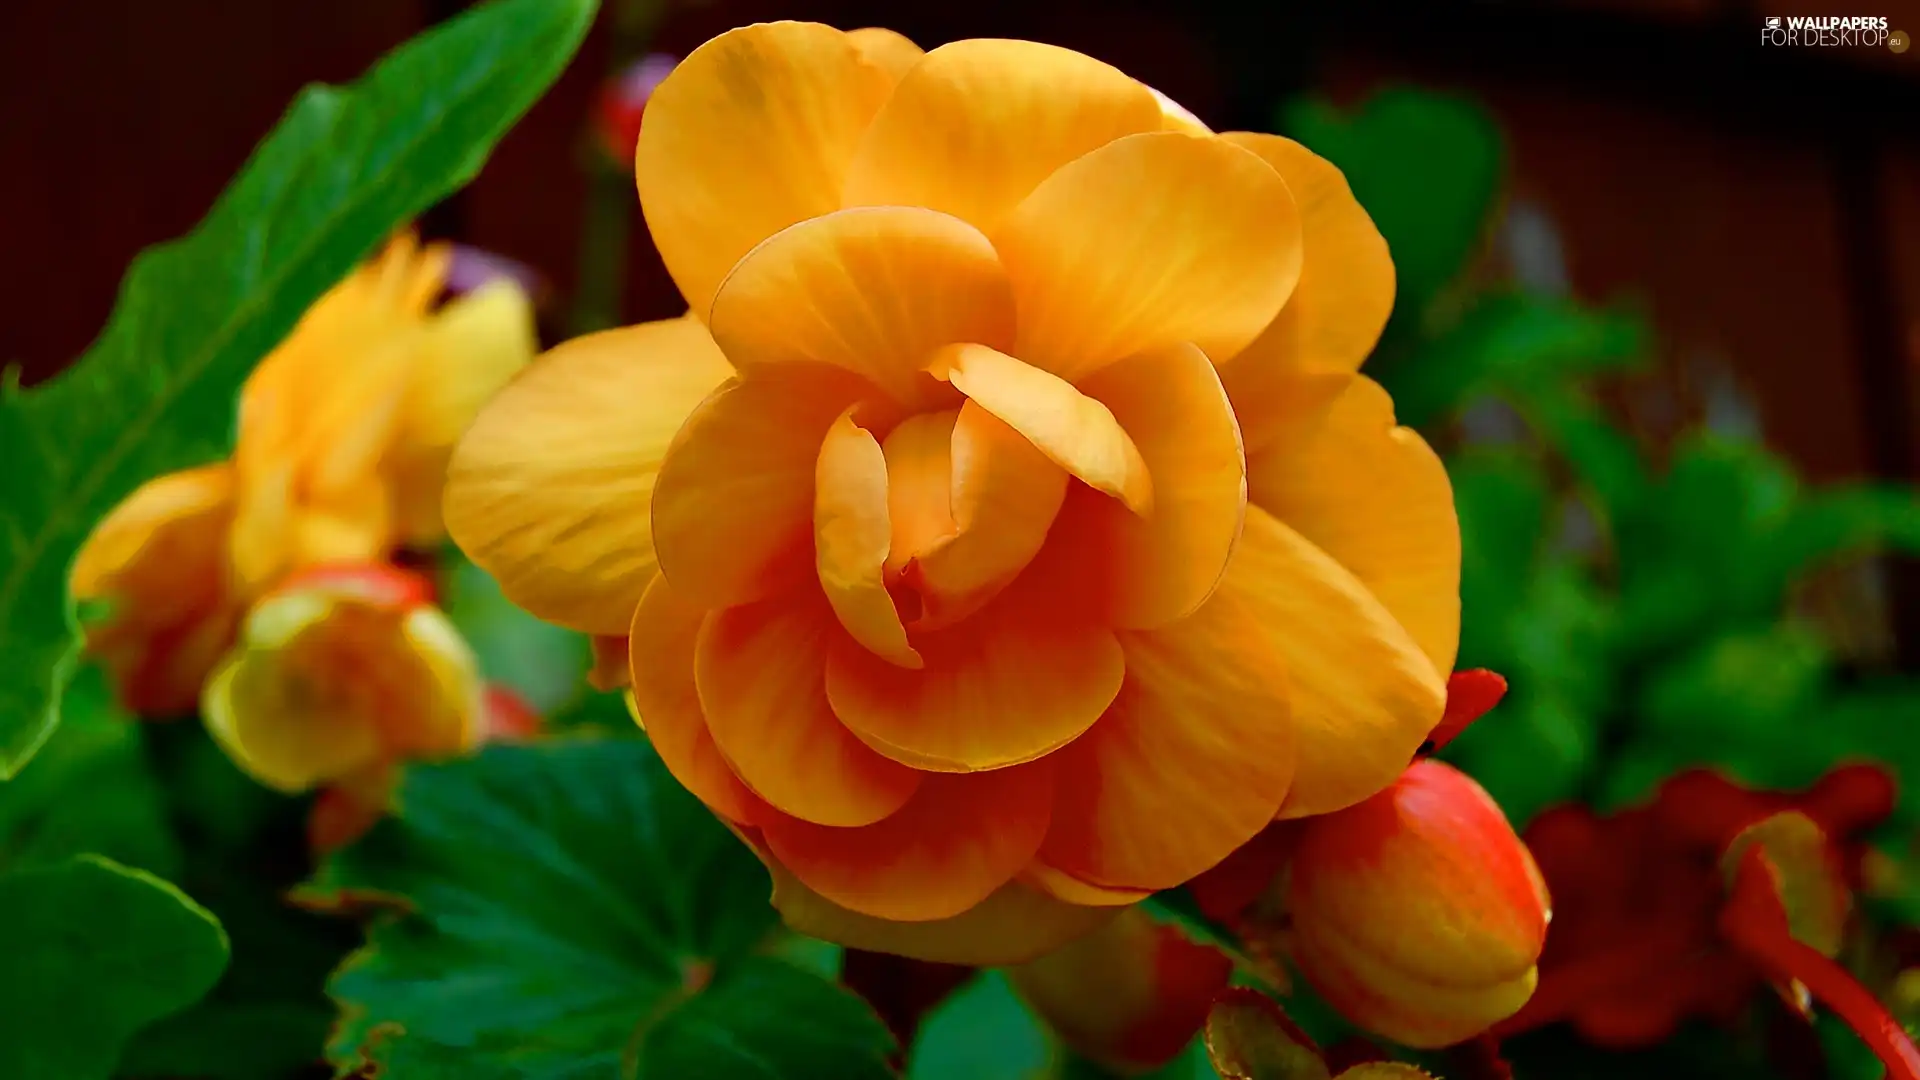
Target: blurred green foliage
(1643, 598)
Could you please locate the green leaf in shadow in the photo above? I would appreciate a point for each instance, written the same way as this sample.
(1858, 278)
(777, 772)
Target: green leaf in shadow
(94, 952)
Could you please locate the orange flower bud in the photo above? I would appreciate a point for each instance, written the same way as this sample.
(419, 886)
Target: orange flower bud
(1130, 995)
(1418, 913)
(339, 673)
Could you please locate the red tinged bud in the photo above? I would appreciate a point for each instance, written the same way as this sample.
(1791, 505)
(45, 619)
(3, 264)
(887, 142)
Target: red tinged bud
(1130, 996)
(623, 102)
(1418, 913)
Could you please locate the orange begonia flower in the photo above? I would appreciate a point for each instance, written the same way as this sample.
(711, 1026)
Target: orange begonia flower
(1005, 531)
(344, 433)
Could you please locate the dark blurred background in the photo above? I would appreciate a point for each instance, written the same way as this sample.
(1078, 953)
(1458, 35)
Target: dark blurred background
(1763, 204)
(1760, 205)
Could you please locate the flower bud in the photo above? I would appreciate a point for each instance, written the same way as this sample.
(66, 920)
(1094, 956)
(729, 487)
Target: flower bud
(339, 673)
(623, 102)
(1130, 995)
(1418, 913)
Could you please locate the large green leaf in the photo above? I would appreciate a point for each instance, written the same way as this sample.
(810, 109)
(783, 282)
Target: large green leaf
(983, 1031)
(570, 911)
(1427, 168)
(95, 951)
(92, 791)
(156, 392)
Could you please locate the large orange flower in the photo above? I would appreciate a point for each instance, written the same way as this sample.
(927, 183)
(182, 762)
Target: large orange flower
(344, 434)
(1004, 534)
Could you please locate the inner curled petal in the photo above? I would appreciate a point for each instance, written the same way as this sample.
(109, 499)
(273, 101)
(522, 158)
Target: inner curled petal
(852, 535)
(972, 502)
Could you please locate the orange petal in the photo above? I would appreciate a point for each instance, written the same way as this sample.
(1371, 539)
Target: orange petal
(1149, 240)
(1073, 430)
(1011, 684)
(733, 505)
(852, 534)
(1065, 887)
(887, 52)
(1004, 496)
(550, 489)
(793, 99)
(1376, 498)
(1013, 925)
(759, 669)
(873, 290)
(950, 847)
(1193, 759)
(1346, 285)
(666, 704)
(977, 124)
(1177, 117)
(1363, 695)
(919, 455)
(158, 560)
(1164, 566)
(610, 670)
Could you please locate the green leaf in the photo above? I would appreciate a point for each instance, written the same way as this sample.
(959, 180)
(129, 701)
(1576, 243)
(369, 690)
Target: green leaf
(94, 952)
(1507, 341)
(570, 911)
(91, 790)
(156, 392)
(983, 1031)
(228, 1041)
(1426, 167)
(541, 662)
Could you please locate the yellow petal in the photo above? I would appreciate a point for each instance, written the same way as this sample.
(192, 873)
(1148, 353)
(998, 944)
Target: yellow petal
(957, 841)
(760, 674)
(733, 504)
(1013, 925)
(888, 53)
(1376, 498)
(471, 348)
(1346, 284)
(1073, 430)
(751, 133)
(1363, 694)
(852, 534)
(1176, 117)
(665, 702)
(977, 124)
(1192, 760)
(247, 712)
(874, 291)
(1013, 683)
(1149, 240)
(1164, 566)
(447, 718)
(1004, 496)
(551, 488)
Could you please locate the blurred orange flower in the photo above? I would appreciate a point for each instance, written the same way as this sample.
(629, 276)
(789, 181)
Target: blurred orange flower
(344, 433)
(1005, 532)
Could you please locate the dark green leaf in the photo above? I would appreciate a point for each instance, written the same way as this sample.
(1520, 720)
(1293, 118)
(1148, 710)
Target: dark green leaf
(1506, 341)
(228, 1041)
(1426, 167)
(572, 912)
(156, 392)
(983, 1031)
(90, 790)
(94, 952)
(542, 662)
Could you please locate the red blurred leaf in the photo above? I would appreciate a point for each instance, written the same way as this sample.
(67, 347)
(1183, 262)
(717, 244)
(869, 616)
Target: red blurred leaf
(1470, 695)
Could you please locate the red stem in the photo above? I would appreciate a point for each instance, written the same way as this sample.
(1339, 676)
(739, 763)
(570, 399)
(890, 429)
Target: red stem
(1784, 958)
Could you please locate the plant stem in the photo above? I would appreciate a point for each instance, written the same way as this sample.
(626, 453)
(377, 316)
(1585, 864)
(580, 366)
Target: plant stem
(1775, 952)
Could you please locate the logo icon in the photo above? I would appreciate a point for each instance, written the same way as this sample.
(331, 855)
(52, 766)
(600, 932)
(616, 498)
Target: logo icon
(1773, 22)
